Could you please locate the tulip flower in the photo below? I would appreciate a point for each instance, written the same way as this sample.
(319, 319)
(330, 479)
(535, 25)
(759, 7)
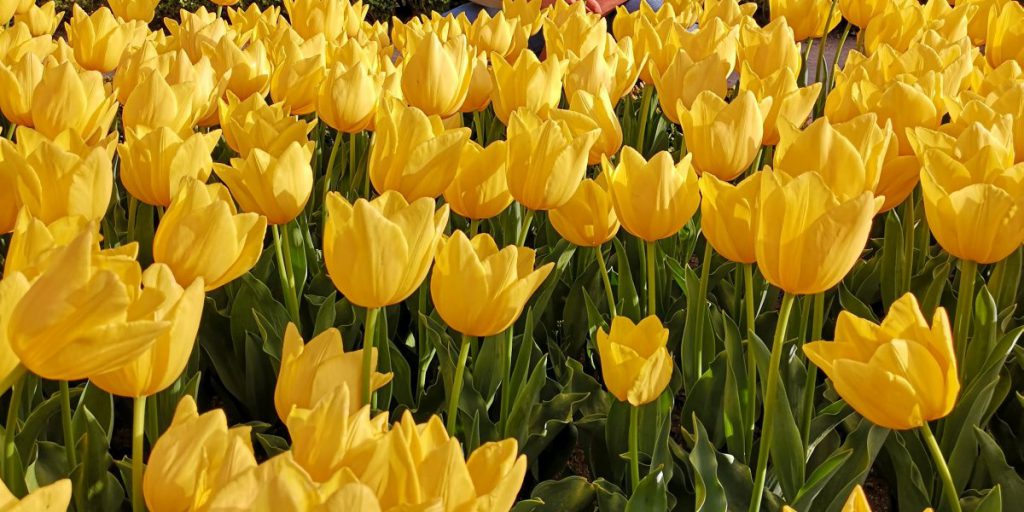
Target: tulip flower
(610, 68)
(861, 12)
(546, 160)
(527, 83)
(156, 103)
(857, 502)
(1005, 37)
(791, 104)
(19, 81)
(317, 369)
(328, 18)
(349, 97)
(500, 34)
(807, 17)
(275, 186)
(570, 28)
(98, 39)
(898, 175)
(17, 41)
(154, 163)
(599, 112)
(247, 68)
(9, 202)
(202, 236)
(197, 455)
(34, 243)
(251, 123)
(635, 362)
(413, 153)
(807, 237)
(588, 219)
(66, 98)
(41, 20)
(653, 199)
(436, 76)
(770, 49)
(727, 216)
(12, 288)
(480, 187)
(55, 496)
(481, 87)
(684, 79)
(130, 10)
(297, 75)
(724, 137)
(196, 30)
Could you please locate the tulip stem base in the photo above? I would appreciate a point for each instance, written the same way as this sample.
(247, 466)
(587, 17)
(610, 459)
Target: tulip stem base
(369, 331)
(697, 363)
(908, 245)
(811, 379)
(284, 270)
(964, 308)
(609, 296)
(456, 392)
(948, 487)
(138, 436)
(643, 114)
(771, 395)
(634, 447)
(652, 290)
(748, 298)
(329, 174)
(506, 378)
(525, 228)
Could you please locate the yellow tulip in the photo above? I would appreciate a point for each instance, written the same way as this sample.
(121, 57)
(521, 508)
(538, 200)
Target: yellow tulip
(329, 18)
(498, 34)
(66, 98)
(610, 68)
(156, 103)
(154, 163)
(1011, 101)
(86, 314)
(378, 252)
(861, 12)
(282, 484)
(571, 28)
(899, 174)
(17, 41)
(41, 20)
(298, 72)
(7, 10)
(979, 14)
(857, 502)
(195, 30)
(481, 86)
(312, 371)
(807, 238)
(588, 219)
(54, 497)
(194, 457)
(480, 187)
(600, 113)
(716, 38)
(791, 104)
(409, 34)
(546, 160)
(653, 199)
(12, 287)
(18, 82)
(480, 290)
(413, 153)
(526, 12)
(896, 26)
(635, 362)
(247, 67)
(729, 11)
(1005, 37)
(526, 84)
(899, 374)
(129, 10)
(202, 236)
(727, 216)
(807, 17)
(724, 137)
(99, 39)
(436, 76)
(275, 186)
(34, 243)
(770, 49)
(9, 202)
(252, 124)
(684, 79)
(349, 97)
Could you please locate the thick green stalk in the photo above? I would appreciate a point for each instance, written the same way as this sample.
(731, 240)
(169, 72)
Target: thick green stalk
(69, 439)
(474, 227)
(702, 295)
(456, 394)
(138, 435)
(817, 322)
(329, 173)
(644, 113)
(835, 61)
(11, 428)
(964, 309)
(506, 377)
(422, 347)
(133, 209)
(284, 273)
(771, 395)
(908, 245)
(652, 292)
(948, 487)
(748, 298)
(527, 221)
(609, 296)
(802, 79)
(368, 333)
(634, 447)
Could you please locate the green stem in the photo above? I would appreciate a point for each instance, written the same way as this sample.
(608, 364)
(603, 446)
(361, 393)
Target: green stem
(220, 10)
(352, 154)
(924, 238)
(835, 60)
(11, 378)
(634, 448)
(644, 113)
(802, 79)
(652, 292)
(366, 171)
(609, 296)
(908, 244)
(9, 134)
(368, 333)
(284, 274)
(13, 411)
(822, 46)
(133, 209)
(964, 308)
(771, 395)
(702, 294)
(329, 173)
(69, 431)
(817, 322)
(948, 487)
(527, 221)
(474, 227)
(481, 133)
(748, 297)
(506, 377)
(422, 346)
(460, 373)
(138, 435)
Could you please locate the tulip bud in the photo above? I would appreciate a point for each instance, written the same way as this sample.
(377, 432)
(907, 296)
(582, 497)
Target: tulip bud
(635, 362)
(66, 98)
(727, 214)
(633, 183)
(348, 97)
(436, 76)
(588, 219)
(526, 84)
(99, 39)
(154, 163)
(275, 186)
(724, 137)
(251, 124)
(480, 187)
(546, 160)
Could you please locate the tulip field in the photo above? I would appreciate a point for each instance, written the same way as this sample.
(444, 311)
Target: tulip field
(697, 255)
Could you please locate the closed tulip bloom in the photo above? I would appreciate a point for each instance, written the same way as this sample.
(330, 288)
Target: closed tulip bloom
(546, 160)
(154, 163)
(724, 137)
(588, 219)
(610, 68)
(1005, 37)
(480, 187)
(857, 502)
(653, 199)
(329, 18)
(53, 182)
(570, 28)
(906, 106)
(526, 84)
(769, 49)
(480, 290)
(861, 12)
(9, 202)
(12, 287)
(98, 39)
(413, 153)
(899, 374)
(275, 186)
(7, 9)
(348, 97)
(807, 17)
(155, 103)
(162, 364)
(899, 174)
(277, 484)
(895, 26)
(195, 30)
(251, 123)
(807, 238)
(129, 10)
(17, 41)
(685, 79)
(18, 82)
(194, 457)
(791, 104)
(66, 98)
(202, 236)
(41, 20)
(729, 11)
(481, 87)
(312, 371)
(378, 252)
(498, 34)
(727, 216)
(53, 497)
(86, 314)
(34, 243)
(635, 362)
(436, 75)
(600, 111)
(297, 75)
(247, 67)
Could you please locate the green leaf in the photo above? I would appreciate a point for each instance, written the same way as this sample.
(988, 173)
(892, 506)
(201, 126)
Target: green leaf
(1001, 473)
(892, 250)
(570, 494)
(626, 290)
(651, 494)
(710, 495)
(821, 475)
(991, 501)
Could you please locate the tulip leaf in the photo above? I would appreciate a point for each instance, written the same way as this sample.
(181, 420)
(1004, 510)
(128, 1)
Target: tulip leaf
(787, 448)
(913, 489)
(105, 492)
(1006, 477)
(651, 494)
(325, 314)
(627, 295)
(272, 445)
(710, 495)
(525, 397)
(706, 394)
(569, 494)
(892, 268)
(50, 464)
(989, 501)
(401, 381)
(864, 442)
(100, 407)
(851, 303)
(932, 296)
(818, 478)
(40, 420)
(1005, 280)
(296, 233)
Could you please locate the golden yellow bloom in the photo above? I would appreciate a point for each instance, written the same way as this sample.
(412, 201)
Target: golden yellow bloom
(499, 34)
(329, 18)
(635, 362)
(47, 498)
(129, 10)
(99, 39)
(17, 41)
(480, 187)
(588, 219)
(349, 97)
(154, 163)
(12, 287)
(247, 68)
(729, 11)
(899, 174)
(857, 502)
(196, 29)
(378, 252)
(546, 160)
(9, 202)
(41, 20)
(86, 314)
(807, 238)
(202, 236)
(807, 17)
(413, 153)
(481, 86)
(251, 124)
(18, 82)
(684, 79)
(716, 38)
(724, 137)
(156, 103)
(526, 12)
(899, 374)
(727, 215)
(298, 71)
(34, 243)
(896, 26)
(480, 290)
(436, 76)
(313, 371)
(598, 112)
(197, 455)
(66, 98)
(653, 199)
(610, 67)
(527, 84)
(861, 12)
(1005, 37)
(275, 186)
(769, 49)
(571, 28)
(791, 104)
